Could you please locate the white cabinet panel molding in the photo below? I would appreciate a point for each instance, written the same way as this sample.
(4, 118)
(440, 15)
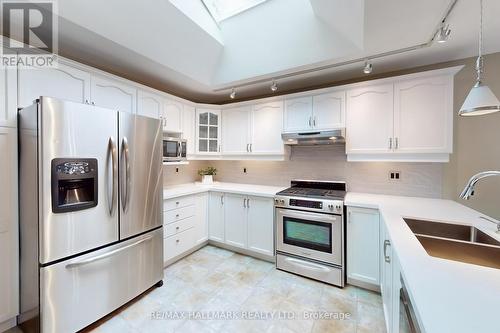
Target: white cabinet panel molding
(8, 96)
(329, 110)
(267, 124)
(236, 129)
(112, 94)
(298, 114)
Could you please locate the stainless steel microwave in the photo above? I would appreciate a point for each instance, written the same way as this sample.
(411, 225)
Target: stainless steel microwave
(174, 149)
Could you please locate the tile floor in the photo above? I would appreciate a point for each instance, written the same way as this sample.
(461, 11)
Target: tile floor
(217, 281)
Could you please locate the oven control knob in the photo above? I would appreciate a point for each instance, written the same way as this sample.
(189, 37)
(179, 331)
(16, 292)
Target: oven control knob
(330, 206)
(282, 201)
(276, 201)
(338, 207)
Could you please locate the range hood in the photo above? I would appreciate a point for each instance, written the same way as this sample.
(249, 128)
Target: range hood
(314, 138)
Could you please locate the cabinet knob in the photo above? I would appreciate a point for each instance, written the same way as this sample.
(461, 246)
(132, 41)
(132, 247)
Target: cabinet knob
(177, 215)
(177, 241)
(176, 228)
(177, 202)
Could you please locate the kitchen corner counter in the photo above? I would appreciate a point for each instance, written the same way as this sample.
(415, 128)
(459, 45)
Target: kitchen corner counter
(449, 296)
(175, 191)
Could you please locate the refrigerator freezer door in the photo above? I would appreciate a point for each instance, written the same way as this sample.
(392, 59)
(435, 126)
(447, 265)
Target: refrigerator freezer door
(77, 292)
(141, 181)
(76, 131)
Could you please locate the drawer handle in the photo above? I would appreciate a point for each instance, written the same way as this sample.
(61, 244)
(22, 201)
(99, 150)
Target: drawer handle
(308, 265)
(177, 240)
(177, 228)
(106, 255)
(177, 215)
(177, 202)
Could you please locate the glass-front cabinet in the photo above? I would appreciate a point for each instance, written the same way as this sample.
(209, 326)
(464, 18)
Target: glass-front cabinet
(208, 131)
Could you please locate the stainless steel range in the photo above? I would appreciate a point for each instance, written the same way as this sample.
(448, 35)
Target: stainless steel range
(310, 230)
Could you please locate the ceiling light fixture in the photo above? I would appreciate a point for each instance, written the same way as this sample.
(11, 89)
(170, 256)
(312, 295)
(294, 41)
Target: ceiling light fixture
(232, 95)
(480, 99)
(274, 86)
(368, 67)
(443, 34)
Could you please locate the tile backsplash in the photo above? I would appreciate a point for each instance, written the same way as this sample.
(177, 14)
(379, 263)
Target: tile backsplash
(323, 163)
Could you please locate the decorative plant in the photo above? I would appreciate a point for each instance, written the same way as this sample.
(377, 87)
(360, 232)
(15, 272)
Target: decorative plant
(208, 171)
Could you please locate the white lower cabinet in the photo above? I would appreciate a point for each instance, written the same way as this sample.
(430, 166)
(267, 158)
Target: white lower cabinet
(363, 237)
(260, 225)
(216, 216)
(235, 220)
(185, 225)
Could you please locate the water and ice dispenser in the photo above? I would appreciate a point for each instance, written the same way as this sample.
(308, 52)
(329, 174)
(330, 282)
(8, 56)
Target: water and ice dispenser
(74, 184)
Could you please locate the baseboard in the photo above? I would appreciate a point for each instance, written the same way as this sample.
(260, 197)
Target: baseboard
(364, 285)
(8, 324)
(243, 251)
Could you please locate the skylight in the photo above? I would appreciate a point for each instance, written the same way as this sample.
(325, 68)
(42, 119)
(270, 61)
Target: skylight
(223, 9)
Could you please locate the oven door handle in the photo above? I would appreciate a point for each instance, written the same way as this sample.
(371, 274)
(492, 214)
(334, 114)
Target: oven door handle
(307, 265)
(308, 216)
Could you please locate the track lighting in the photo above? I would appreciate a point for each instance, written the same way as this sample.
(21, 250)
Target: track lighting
(443, 34)
(274, 86)
(368, 67)
(232, 95)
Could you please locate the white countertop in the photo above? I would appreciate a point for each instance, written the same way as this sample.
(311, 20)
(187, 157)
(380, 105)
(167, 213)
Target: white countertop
(449, 296)
(244, 189)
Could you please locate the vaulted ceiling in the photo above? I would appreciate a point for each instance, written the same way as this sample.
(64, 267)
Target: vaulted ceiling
(174, 45)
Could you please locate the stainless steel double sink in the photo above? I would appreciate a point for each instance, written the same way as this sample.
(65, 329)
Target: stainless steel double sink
(456, 242)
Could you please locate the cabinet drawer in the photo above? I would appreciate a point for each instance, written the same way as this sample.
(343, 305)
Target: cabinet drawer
(175, 215)
(179, 243)
(179, 226)
(178, 203)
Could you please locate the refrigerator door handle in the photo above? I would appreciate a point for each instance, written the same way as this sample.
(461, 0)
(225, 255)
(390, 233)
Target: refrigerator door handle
(106, 255)
(125, 186)
(114, 171)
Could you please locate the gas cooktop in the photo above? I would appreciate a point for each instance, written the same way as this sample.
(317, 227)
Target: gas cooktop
(328, 190)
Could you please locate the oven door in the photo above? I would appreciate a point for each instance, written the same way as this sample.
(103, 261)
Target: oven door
(311, 235)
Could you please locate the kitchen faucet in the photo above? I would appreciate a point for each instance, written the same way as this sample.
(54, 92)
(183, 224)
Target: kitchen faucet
(469, 188)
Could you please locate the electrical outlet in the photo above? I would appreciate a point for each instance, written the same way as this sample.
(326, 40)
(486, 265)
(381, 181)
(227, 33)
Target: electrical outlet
(244, 170)
(395, 175)
(176, 169)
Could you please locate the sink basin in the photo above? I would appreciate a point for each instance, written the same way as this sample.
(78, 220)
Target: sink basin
(456, 242)
(449, 230)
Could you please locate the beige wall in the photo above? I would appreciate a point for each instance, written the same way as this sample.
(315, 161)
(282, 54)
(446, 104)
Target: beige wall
(477, 143)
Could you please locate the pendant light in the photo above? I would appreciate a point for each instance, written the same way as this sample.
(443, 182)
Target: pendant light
(481, 99)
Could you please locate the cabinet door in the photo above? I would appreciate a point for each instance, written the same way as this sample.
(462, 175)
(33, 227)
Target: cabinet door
(363, 237)
(8, 96)
(235, 130)
(64, 82)
(423, 115)
(149, 104)
(267, 124)
(216, 217)
(208, 131)
(172, 116)
(369, 119)
(235, 214)
(111, 94)
(329, 110)
(9, 257)
(386, 276)
(201, 218)
(188, 128)
(260, 225)
(298, 114)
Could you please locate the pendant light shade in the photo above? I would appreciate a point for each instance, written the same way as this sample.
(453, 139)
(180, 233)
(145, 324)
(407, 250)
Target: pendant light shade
(481, 100)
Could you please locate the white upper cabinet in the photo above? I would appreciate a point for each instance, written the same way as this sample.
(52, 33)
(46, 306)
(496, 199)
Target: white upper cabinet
(112, 94)
(189, 128)
(64, 82)
(236, 130)
(329, 110)
(149, 104)
(172, 116)
(267, 124)
(423, 115)
(8, 96)
(369, 122)
(298, 114)
(260, 225)
(208, 131)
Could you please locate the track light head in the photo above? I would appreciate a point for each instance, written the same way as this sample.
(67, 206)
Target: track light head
(368, 67)
(274, 87)
(443, 34)
(232, 95)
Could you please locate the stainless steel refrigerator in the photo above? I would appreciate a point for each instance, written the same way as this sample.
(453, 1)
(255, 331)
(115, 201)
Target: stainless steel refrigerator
(90, 212)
